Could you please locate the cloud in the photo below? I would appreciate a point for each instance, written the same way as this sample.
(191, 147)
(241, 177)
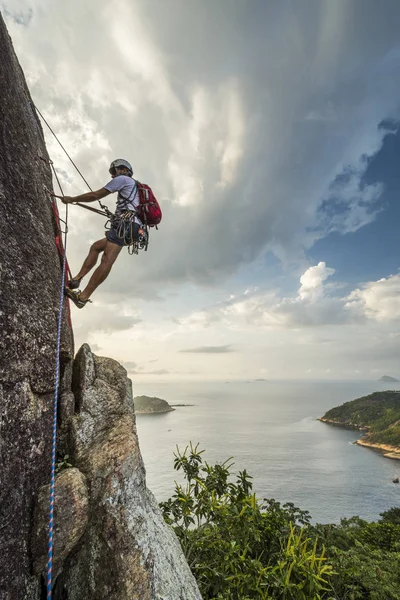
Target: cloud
(324, 113)
(377, 300)
(317, 303)
(255, 138)
(312, 281)
(103, 319)
(209, 350)
(231, 135)
(154, 372)
(129, 365)
(20, 17)
(351, 204)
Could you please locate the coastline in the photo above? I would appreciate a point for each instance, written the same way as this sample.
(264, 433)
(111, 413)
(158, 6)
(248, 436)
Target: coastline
(392, 452)
(343, 425)
(153, 412)
(388, 451)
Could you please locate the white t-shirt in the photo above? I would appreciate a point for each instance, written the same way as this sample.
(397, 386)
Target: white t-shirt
(128, 194)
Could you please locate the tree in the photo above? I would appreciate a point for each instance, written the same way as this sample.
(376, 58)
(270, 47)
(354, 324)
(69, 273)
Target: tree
(237, 547)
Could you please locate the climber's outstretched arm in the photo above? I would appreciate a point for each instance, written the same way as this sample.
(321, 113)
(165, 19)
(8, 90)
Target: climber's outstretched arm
(88, 197)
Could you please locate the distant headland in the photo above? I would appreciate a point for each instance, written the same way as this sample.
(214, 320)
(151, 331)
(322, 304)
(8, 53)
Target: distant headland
(146, 405)
(377, 415)
(388, 379)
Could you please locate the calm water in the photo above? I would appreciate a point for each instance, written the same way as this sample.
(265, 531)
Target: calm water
(270, 428)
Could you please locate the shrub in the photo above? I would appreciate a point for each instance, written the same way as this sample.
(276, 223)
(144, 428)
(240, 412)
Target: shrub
(237, 547)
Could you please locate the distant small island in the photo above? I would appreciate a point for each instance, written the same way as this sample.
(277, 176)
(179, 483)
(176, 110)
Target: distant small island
(378, 415)
(146, 405)
(388, 379)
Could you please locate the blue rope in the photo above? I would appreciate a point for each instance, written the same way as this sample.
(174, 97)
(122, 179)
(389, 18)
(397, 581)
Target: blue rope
(54, 434)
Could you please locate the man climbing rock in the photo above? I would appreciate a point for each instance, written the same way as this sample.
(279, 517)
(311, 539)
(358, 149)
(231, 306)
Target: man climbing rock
(126, 228)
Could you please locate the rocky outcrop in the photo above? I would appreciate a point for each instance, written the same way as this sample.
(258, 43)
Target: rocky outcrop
(110, 540)
(127, 552)
(147, 405)
(30, 284)
(343, 424)
(387, 450)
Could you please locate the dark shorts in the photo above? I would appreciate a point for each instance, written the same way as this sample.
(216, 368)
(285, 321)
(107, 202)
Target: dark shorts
(124, 238)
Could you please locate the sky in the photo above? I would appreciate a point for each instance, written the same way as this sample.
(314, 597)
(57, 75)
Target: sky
(269, 132)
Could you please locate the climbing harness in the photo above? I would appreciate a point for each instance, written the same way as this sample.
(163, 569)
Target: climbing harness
(125, 227)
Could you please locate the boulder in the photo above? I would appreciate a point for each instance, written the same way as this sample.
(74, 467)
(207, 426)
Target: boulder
(128, 551)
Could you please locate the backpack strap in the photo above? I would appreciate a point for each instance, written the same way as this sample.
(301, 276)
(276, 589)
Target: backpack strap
(135, 187)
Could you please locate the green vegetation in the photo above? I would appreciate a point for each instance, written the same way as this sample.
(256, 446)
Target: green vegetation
(63, 464)
(242, 549)
(149, 405)
(379, 413)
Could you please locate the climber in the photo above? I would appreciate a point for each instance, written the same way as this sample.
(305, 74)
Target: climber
(113, 242)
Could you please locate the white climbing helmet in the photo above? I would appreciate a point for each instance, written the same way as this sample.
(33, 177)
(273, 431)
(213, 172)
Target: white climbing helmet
(120, 162)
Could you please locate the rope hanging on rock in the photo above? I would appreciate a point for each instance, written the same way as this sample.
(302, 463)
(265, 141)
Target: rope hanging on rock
(55, 400)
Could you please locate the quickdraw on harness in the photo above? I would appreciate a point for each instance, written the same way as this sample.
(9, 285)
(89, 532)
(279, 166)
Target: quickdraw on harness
(126, 229)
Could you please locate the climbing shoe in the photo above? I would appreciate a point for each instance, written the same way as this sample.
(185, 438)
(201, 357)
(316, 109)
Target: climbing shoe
(75, 297)
(73, 284)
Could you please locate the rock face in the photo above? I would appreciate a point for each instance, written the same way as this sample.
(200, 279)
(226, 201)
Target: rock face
(127, 552)
(110, 541)
(70, 519)
(30, 285)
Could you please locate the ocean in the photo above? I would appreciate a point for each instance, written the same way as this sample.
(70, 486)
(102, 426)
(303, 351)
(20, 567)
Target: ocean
(270, 428)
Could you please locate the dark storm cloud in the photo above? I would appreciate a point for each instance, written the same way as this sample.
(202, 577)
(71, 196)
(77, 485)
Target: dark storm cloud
(240, 124)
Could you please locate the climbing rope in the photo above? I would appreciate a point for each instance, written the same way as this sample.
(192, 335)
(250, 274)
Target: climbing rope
(105, 208)
(55, 404)
(63, 253)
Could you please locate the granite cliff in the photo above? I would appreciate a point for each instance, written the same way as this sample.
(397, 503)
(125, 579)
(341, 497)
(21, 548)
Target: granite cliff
(110, 540)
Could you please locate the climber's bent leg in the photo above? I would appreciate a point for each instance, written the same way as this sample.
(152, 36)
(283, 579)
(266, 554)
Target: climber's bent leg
(109, 257)
(91, 258)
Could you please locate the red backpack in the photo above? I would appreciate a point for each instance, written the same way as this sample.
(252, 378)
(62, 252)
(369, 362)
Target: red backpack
(149, 210)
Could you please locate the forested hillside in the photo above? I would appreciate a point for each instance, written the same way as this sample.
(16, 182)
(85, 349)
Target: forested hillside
(378, 413)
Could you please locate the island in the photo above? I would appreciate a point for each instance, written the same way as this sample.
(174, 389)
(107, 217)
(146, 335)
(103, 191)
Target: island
(377, 415)
(146, 405)
(388, 379)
